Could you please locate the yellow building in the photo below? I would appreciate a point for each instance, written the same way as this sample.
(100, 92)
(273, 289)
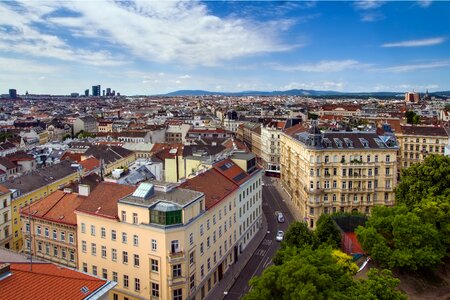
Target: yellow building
(160, 241)
(35, 186)
(338, 171)
(5, 217)
(416, 142)
(50, 227)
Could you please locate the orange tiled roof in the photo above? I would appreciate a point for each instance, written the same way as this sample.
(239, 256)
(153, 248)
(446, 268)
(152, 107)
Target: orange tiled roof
(295, 129)
(102, 201)
(72, 156)
(214, 185)
(3, 189)
(232, 171)
(47, 281)
(90, 163)
(57, 207)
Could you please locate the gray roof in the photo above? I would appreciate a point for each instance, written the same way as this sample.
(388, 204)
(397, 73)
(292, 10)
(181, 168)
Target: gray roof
(41, 177)
(109, 154)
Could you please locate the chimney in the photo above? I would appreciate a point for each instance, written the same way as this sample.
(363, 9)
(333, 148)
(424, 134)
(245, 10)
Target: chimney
(84, 190)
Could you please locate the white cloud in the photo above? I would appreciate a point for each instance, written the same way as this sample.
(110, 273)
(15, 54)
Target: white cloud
(414, 67)
(368, 5)
(323, 66)
(160, 31)
(185, 76)
(324, 85)
(416, 43)
(424, 3)
(372, 17)
(25, 66)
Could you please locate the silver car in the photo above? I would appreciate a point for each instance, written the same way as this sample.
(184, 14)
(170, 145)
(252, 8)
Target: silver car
(280, 235)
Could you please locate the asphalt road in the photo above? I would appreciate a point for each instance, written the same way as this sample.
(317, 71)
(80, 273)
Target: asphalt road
(262, 257)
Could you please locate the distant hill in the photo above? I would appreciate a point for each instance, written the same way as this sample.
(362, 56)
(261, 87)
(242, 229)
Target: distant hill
(297, 92)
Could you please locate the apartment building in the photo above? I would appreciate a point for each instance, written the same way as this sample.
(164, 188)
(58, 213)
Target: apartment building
(270, 145)
(5, 217)
(160, 241)
(35, 186)
(338, 171)
(416, 142)
(241, 168)
(49, 226)
(86, 124)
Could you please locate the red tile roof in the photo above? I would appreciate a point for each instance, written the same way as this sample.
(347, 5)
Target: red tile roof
(58, 207)
(424, 130)
(213, 184)
(295, 129)
(231, 171)
(3, 189)
(72, 156)
(47, 281)
(102, 201)
(90, 163)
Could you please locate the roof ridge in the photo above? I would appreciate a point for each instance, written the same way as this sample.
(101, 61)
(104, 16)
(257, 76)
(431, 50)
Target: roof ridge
(61, 276)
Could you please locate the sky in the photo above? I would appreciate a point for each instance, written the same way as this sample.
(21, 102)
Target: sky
(152, 47)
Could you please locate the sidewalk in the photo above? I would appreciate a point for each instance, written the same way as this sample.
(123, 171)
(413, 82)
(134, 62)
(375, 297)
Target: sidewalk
(288, 200)
(233, 272)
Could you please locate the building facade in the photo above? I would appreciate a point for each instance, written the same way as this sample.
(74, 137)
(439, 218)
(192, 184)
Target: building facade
(338, 171)
(5, 217)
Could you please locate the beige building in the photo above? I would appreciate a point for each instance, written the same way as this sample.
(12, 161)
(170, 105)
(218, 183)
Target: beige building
(5, 217)
(416, 142)
(338, 171)
(50, 227)
(160, 241)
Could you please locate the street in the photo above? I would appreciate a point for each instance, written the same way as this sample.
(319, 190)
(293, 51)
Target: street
(262, 257)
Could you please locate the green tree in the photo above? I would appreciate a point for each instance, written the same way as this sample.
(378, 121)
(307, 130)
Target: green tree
(380, 285)
(429, 178)
(409, 115)
(309, 274)
(326, 231)
(416, 120)
(299, 235)
(396, 237)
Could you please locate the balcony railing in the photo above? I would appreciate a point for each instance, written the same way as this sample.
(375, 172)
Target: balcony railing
(313, 191)
(176, 256)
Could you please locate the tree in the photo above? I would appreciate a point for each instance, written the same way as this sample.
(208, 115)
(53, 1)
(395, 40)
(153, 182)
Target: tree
(396, 237)
(380, 285)
(309, 274)
(326, 231)
(409, 115)
(322, 273)
(298, 235)
(429, 178)
(416, 120)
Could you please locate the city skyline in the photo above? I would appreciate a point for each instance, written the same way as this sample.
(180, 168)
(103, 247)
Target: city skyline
(159, 47)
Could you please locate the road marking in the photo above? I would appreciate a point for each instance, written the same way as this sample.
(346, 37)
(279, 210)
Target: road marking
(266, 242)
(260, 252)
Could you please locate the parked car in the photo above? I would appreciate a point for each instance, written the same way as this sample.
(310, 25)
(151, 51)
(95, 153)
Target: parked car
(280, 235)
(280, 218)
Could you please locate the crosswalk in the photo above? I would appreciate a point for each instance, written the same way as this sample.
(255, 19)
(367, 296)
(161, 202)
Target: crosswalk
(266, 242)
(261, 252)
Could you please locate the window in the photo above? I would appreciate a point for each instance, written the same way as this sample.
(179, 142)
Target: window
(174, 246)
(72, 255)
(191, 239)
(124, 237)
(71, 240)
(192, 281)
(92, 230)
(113, 235)
(155, 267)
(85, 267)
(136, 260)
(388, 171)
(155, 290)
(135, 218)
(103, 232)
(192, 258)
(388, 158)
(202, 271)
(125, 257)
(114, 254)
(63, 236)
(154, 245)
(83, 228)
(135, 240)
(55, 235)
(83, 246)
(176, 270)
(201, 229)
(103, 251)
(124, 216)
(201, 248)
(137, 285)
(104, 274)
(178, 294)
(94, 270)
(209, 264)
(93, 249)
(39, 230)
(125, 281)
(207, 242)
(114, 276)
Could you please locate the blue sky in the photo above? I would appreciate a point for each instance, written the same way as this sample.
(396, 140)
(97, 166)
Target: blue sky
(149, 47)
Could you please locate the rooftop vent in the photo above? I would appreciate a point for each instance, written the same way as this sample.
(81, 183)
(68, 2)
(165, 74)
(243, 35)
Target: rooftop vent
(84, 290)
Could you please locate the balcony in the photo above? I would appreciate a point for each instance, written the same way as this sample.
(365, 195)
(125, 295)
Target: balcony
(178, 256)
(179, 280)
(313, 191)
